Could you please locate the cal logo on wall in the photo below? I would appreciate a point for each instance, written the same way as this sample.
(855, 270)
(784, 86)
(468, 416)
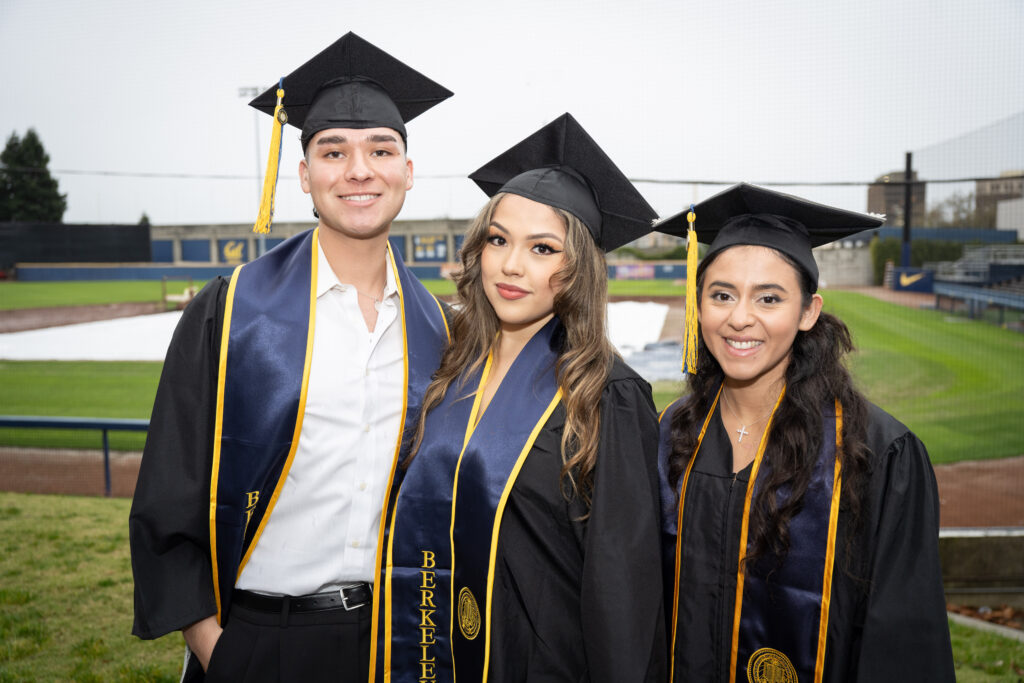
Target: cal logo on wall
(233, 252)
(912, 280)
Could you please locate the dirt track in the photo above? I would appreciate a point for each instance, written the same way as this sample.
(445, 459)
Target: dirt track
(972, 494)
(36, 318)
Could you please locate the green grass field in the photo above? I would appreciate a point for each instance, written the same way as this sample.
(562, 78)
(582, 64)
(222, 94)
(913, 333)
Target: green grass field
(66, 601)
(76, 389)
(15, 295)
(959, 384)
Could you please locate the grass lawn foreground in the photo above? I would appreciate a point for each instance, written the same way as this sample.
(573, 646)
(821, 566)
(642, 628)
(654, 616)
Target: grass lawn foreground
(66, 601)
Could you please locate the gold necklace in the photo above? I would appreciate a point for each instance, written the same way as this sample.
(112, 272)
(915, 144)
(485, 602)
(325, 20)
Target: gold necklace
(743, 428)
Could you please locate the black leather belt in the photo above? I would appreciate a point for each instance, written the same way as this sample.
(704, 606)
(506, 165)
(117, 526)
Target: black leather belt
(348, 598)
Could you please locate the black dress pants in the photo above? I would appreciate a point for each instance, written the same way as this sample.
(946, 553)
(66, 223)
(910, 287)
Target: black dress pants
(264, 647)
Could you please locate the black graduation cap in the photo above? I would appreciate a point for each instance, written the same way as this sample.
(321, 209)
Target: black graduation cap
(748, 214)
(353, 84)
(560, 165)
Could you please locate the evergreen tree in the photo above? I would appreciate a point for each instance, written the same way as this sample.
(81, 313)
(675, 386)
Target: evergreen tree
(27, 190)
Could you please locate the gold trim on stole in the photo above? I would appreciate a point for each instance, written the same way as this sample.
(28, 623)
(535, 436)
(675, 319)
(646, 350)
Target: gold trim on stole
(740, 575)
(830, 551)
(679, 530)
(391, 479)
(470, 427)
(218, 429)
(497, 524)
(301, 413)
(219, 419)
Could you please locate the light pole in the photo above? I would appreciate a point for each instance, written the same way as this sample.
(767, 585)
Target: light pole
(251, 92)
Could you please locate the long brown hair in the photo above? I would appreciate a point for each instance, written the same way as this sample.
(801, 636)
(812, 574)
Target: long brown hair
(815, 377)
(585, 356)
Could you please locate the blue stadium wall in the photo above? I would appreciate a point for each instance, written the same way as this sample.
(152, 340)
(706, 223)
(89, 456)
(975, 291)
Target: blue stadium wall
(72, 272)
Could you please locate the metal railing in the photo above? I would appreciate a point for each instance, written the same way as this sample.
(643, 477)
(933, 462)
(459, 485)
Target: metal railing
(104, 425)
(979, 295)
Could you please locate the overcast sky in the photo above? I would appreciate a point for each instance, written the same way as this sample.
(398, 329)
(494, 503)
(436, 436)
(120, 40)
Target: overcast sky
(788, 90)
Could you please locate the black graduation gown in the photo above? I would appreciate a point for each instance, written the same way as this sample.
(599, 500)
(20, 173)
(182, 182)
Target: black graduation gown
(169, 523)
(581, 600)
(887, 620)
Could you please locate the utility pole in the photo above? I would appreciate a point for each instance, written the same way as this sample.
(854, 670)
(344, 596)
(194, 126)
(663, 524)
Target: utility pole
(908, 195)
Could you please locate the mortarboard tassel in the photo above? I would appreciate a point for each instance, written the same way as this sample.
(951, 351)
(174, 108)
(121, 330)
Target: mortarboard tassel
(266, 215)
(690, 334)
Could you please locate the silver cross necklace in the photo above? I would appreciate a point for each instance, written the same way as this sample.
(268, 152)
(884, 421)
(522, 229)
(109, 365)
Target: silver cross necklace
(742, 431)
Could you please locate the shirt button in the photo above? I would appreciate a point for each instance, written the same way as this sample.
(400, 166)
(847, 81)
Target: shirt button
(362, 486)
(367, 372)
(355, 544)
(366, 427)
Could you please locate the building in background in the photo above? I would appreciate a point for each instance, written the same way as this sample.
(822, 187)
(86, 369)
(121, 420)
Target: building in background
(989, 194)
(886, 195)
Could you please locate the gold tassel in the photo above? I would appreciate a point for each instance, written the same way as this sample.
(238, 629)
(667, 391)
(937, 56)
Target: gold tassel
(690, 335)
(266, 215)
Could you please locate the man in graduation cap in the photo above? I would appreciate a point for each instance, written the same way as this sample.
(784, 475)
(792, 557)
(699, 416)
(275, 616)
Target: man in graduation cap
(284, 398)
(801, 520)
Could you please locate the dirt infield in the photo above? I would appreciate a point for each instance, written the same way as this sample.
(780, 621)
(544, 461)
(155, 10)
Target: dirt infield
(67, 471)
(982, 493)
(35, 318)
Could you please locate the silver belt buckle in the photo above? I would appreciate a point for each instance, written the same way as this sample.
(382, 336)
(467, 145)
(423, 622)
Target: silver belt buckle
(344, 598)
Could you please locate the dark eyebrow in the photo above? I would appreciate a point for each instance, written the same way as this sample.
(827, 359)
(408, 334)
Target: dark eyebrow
(332, 140)
(382, 137)
(720, 283)
(757, 288)
(769, 286)
(538, 236)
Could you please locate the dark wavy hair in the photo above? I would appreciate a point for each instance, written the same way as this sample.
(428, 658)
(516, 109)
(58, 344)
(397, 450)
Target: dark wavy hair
(815, 377)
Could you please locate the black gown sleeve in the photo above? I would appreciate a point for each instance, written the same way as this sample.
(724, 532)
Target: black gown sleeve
(622, 608)
(169, 520)
(905, 633)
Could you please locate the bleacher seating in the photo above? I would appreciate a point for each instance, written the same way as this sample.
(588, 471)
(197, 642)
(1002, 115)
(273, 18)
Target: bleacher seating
(982, 265)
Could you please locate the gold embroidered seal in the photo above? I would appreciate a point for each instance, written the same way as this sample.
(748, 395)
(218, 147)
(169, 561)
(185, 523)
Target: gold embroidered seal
(770, 666)
(469, 614)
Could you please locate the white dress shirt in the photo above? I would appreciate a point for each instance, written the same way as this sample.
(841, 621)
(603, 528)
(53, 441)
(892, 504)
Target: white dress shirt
(322, 533)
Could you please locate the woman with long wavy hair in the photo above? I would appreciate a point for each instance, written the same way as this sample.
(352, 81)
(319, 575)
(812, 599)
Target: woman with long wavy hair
(803, 519)
(529, 503)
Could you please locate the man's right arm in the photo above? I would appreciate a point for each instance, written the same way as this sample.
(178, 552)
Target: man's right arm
(169, 524)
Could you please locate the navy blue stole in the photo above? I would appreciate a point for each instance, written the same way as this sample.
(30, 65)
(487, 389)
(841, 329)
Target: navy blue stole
(780, 625)
(437, 580)
(265, 355)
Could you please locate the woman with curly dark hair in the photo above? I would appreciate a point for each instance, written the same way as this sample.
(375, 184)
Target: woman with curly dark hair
(524, 538)
(801, 520)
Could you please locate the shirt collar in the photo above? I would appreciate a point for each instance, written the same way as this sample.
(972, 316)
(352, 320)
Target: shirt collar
(326, 279)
